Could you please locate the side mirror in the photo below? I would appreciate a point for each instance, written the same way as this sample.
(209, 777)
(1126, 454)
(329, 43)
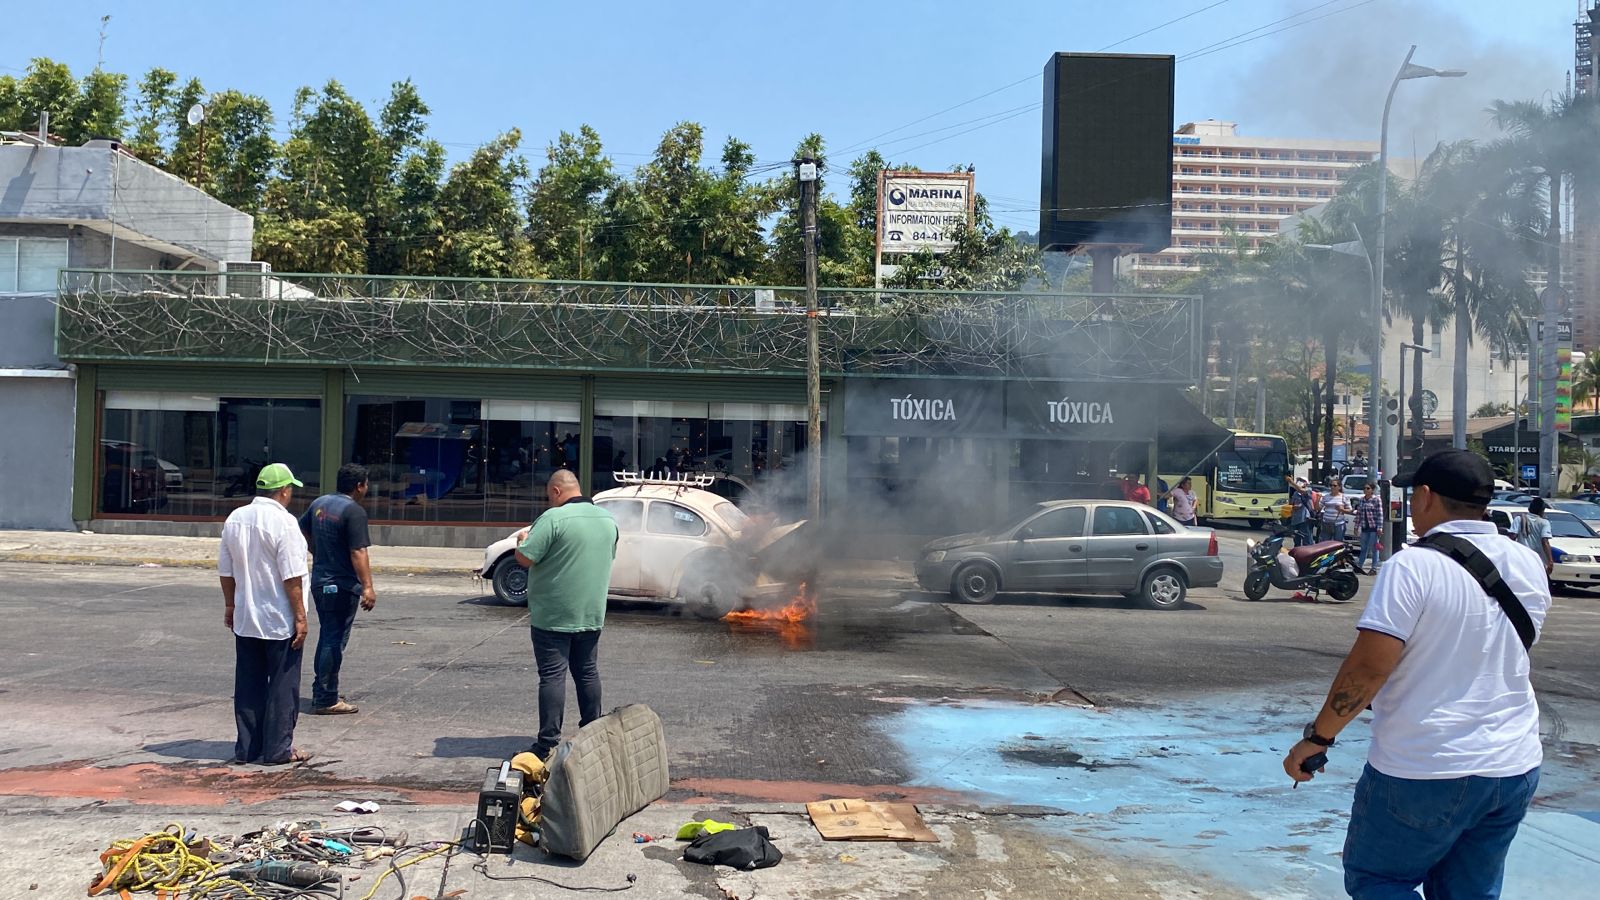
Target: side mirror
(1025, 534)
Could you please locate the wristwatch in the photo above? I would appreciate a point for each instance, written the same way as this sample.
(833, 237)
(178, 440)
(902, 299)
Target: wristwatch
(1312, 736)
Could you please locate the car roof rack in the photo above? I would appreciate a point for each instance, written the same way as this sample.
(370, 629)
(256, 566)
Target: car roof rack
(684, 480)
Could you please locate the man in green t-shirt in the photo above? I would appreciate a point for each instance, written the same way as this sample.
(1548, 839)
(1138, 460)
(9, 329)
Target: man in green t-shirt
(568, 551)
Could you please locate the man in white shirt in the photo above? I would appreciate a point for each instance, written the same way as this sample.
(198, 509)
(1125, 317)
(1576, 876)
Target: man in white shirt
(263, 568)
(1455, 728)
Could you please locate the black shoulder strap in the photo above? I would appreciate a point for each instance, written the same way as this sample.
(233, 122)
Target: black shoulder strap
(1475, 562)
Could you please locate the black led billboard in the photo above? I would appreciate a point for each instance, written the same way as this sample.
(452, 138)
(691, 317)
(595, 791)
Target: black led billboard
(1107, 166)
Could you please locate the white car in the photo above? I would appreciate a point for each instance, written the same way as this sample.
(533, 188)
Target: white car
(676, 542)
(1573, 544)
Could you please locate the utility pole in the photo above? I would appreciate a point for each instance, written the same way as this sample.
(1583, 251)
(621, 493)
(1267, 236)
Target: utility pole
(806, 169)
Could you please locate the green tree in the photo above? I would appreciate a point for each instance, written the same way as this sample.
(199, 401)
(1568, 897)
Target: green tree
(48, 86)
(153, 117)
(480, 214)
(99, 111)
(564, 203)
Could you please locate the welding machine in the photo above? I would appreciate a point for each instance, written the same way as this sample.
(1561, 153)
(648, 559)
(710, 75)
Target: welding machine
(498, 800)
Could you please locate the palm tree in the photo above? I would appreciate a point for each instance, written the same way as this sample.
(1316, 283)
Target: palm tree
(1586, 382)
(1543, 146)
(1472, 212)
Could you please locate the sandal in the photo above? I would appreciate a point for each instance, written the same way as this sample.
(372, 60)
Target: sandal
(295, 757)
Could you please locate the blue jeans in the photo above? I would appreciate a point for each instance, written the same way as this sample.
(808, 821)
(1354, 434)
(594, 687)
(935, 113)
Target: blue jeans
(1369, 547)
(336, 613)
(1450, 836)
(555, 653)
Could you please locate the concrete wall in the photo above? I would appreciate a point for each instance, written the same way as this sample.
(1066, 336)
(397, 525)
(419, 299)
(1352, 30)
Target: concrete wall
(27, 331)
(64, 185)
(36, 452)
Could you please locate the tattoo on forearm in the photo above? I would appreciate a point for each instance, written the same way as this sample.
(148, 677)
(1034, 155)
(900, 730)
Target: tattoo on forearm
(1350, 695)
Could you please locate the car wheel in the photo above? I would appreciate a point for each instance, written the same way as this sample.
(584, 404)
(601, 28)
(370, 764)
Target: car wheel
(975, 583)
(1343, 585)
(708, 588)
(510, 580)
(1163, 588)
(1256, 584)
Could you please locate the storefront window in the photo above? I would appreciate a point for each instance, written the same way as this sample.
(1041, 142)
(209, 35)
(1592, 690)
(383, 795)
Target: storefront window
(751, 448)
(433, 459)
(190, 455)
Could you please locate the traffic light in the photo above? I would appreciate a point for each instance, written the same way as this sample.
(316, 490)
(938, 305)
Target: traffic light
(1391, 411)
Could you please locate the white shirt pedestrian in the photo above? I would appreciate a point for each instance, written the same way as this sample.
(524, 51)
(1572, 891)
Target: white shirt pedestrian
(1460, 702)
(262, 547)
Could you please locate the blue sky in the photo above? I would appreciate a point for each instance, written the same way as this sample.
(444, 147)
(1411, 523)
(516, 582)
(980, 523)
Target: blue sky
(769, 73)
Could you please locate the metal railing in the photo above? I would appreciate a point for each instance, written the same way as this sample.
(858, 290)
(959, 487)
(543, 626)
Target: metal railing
(384, 320)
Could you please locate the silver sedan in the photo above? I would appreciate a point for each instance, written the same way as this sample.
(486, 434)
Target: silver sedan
(1077, 547)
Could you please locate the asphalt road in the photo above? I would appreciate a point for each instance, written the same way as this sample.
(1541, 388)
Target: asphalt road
(883, 690)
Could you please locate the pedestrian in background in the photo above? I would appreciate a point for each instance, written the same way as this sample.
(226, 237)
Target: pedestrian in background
(1455, 754)
(568, 551)
(262, 566)
(341, 581)
(1335, 506)
(1534, 533)
(1369, 522)
(1303, 502)
(1183, 501)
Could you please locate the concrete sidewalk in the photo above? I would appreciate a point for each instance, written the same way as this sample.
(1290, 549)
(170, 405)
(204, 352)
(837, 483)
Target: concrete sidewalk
(980, 853)
(93, 549)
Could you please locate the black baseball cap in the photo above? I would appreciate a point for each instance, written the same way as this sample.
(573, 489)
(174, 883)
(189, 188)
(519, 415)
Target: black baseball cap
(1458, 474)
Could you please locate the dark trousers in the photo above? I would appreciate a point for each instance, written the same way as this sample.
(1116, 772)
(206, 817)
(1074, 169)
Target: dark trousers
(266, 698)
(336, 613)
(554, 653)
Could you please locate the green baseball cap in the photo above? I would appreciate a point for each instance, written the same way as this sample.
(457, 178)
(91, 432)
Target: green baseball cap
(274, 476)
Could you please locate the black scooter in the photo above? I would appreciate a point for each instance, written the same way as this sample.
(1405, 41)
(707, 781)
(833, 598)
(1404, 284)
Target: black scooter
(1327, 566)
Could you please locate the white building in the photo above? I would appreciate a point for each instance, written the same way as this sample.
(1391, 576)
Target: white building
(1222, 181)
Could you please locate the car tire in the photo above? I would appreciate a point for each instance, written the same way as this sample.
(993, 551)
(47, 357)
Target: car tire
(1342, 586)
(510, 580)
(1163, 588)
(976, 582)
(1256, 584)
(708, 586)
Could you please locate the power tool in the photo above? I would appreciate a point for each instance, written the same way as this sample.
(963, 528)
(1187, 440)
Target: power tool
(496, 828)
(294, 874)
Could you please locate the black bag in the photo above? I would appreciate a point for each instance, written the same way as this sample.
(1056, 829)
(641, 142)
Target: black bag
(743, 848)
(1472, 559)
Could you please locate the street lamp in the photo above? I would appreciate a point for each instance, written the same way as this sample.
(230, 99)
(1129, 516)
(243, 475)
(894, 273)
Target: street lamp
(1408, 70)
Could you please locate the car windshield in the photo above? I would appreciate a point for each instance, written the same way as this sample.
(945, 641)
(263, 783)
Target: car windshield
(731, 514)
(1254, 465)
(1568, 525)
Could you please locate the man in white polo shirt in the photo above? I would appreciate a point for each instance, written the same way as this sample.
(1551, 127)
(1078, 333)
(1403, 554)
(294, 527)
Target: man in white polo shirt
(263, 568)
(1455, 728)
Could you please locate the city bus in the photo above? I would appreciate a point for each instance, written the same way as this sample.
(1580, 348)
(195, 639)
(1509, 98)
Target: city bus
(1241, 478)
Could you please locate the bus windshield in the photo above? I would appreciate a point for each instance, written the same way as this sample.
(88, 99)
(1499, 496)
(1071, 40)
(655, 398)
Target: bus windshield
(1255, 465)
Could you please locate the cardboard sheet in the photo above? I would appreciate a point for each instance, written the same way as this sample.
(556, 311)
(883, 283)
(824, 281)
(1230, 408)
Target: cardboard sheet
(864, 820)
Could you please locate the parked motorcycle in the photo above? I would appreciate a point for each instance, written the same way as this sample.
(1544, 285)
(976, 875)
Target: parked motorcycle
(1327, 566)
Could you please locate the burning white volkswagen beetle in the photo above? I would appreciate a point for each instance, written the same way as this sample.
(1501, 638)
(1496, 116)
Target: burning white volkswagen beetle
(676, 542)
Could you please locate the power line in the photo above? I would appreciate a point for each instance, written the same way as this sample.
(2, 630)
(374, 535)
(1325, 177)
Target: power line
(1203, 51)
(1027, 78)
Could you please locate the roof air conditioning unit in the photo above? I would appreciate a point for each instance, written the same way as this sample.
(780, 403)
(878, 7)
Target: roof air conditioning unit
(244, 278)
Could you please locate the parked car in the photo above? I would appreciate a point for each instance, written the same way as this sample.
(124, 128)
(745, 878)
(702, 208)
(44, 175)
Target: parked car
(133, 479)
(675, 543)
(1077, 546)
(1574, 546)
(1588, 512)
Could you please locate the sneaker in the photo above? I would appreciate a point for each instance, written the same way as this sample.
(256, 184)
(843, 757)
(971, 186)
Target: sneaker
(338, 709)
